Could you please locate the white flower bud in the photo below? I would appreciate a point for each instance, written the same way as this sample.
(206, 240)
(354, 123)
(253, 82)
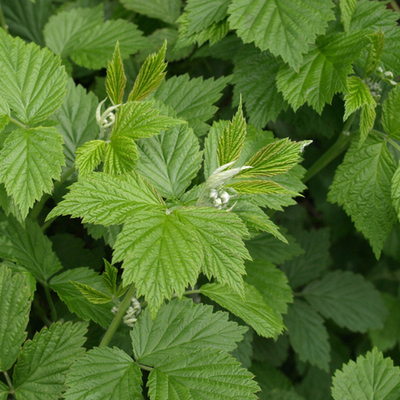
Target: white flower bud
(224, 196)
(388, 74)
(213, 194)
(217, 202)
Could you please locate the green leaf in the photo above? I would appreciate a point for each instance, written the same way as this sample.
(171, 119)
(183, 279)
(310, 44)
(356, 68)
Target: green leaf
(109, 233)
(232, 138)
(244, 351)
(167, 11)
(367, 121)
(15, 305)
(108, 200)
(396, 191)
(307, 334)
(390, 57)
(371, 376)
(89, 156)
(375, 52)
(120, 155)
(390, 114)
(104, 373)
(76, 301)
(170, 161)
(4, 391)
(252, 310)
(77, 120)
(45, 360)
(116, 79)
(92, 295)
(347, 8)
(32, 80)
(254, 77)
(350, 300)
(109, 277)
(220, 235)
(199, 328)
(259, 186)
(323, 72)
(362, 181)
(28, 247)
(284, 28)
(162, 256)
(205, 374)
(150, 76)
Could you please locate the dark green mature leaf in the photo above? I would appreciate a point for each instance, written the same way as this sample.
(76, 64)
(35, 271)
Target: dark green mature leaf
(396, 191)
(108, 200)
(162, 256)
(285, 28)
(199, 328)
(348, 299)
(244, 351)
(109, 374)
(347, 8)
(170, 161)
(362, 181)
(28, 247)
(390, 114)
(15, 305)
(45, 360)
(205, 374)
(4, 391)
(371, 377)
(253, 310)
(390, 56)
(116, 79)
(307, 334)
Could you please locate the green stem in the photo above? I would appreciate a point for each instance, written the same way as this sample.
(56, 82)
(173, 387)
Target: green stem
(195, 291)
(335, 150)
(16, 122)
(145, 367)
(2, 20)
(118, 317)
(386, 137)
(40, 312)
(394, 5)
(9, 383)
(51, 303)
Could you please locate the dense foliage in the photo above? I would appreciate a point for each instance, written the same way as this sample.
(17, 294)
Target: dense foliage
(199, 199)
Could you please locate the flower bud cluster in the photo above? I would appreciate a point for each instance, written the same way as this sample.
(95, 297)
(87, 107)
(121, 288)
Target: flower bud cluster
(132, 312)
(219, 198)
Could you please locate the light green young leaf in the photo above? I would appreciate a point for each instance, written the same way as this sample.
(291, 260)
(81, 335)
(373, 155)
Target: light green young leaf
(390, 113)
(29, 161)
(205, 374)
(162, 256)
(284, 28)
(367, 121)
(120, 155)
(15, 306)
(260, 186)
(347, 298)
(28, 247)
(4, 391)
(356, 187)
(232, 138)
(254, 76)
(89, 156)
(167, 11)
(92, 295)
(45, 360)
(307, 334)
(32, 80)
(116, 79)
(150, 76)
(323, 72)
(371, 377)
(108, 200)
(170, 161)
(221, 236)
(76, 301)
(77, 120)
(109, 277)
(109, 374)
(347, 8)
(199, 328)
(253, 310)
(375, 52)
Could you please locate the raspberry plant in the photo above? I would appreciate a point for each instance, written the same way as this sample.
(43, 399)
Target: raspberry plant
(199, 199)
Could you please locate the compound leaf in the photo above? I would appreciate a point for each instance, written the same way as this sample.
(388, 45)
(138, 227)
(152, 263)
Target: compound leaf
(167, 11)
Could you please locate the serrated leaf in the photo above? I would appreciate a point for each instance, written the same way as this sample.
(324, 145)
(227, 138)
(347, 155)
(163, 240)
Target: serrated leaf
(367, 120)
(4, 113)
(244, 351)
(170, 161)
(29, 161)
(109, 233)
(150, 76)
(390, 114)
(4, 391)
(116, 79)
(167, 11)
(36, 94)
(395, 191)
(220, 235)
(323, 72)
(105, 373)
(390, 57)
(375, 52)
(371, 376)
(259, 186)
(347, 8)
(108, 200)
(347, 298)
(199, 328)
(162, 256)
(254, 76)
(210, 375)
(45, 360)
(76, 301)
(362, 181)
(252, 310)
(89, 156)
(307, 334)
(28, 247)
(15, 305)
(284, 28)
(109, 277)
(92, 295)
(120, 155)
